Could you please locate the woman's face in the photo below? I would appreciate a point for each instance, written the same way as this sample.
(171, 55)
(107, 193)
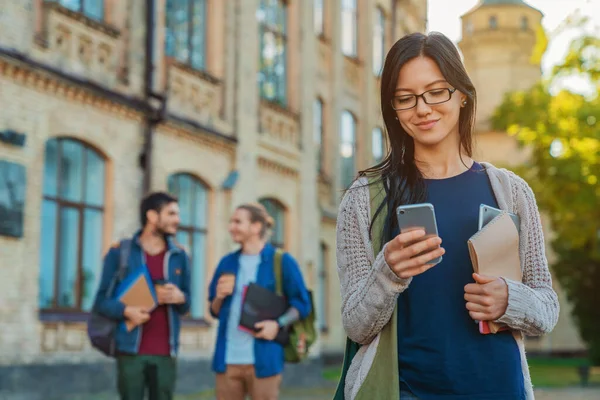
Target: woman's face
(428, 124)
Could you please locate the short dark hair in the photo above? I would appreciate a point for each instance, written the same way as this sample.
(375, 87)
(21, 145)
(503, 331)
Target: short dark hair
(154, 201)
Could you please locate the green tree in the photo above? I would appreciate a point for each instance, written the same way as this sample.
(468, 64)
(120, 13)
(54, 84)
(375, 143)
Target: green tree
(562, 132)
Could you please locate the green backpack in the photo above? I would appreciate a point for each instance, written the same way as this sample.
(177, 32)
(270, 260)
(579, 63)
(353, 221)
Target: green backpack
(302, 332)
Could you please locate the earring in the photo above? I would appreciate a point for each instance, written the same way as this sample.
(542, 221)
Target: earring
(396, 118)
(464, 103)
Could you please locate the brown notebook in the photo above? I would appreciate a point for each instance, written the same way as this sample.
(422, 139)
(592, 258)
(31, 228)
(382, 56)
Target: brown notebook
(494, 251)
(138, 294)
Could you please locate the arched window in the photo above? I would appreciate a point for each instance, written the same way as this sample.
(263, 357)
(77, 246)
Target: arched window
(378, 41)
(493, 22)
(378, 145)
(71, 225)
(193, 207)
(93, 9)
(318, 131)
(272, 75)
(347, 148)
(185, 38)
(349, 28)
(277, 211)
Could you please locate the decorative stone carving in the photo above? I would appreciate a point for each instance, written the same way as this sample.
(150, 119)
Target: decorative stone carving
(85, 49)
(280, 127)
(104, 53)
(73, 338)
(80, 45)
(275, 167)
(62, 40)
(194, 95)
(50, 338)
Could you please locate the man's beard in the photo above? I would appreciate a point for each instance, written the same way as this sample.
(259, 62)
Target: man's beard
(158, 231)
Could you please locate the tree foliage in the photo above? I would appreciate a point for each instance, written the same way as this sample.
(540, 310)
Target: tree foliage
(562, 131)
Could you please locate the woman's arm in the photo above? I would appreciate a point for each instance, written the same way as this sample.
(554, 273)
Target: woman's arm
(368, 286)
(533, 304)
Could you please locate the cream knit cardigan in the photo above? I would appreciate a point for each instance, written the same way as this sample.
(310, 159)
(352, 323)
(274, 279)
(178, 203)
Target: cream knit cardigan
(370, 289)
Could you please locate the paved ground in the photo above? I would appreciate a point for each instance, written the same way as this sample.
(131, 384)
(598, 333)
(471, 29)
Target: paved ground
(326, 394)
(568, 394)
(540, 394)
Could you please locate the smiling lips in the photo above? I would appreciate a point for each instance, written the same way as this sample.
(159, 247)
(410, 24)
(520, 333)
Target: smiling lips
(427, 125)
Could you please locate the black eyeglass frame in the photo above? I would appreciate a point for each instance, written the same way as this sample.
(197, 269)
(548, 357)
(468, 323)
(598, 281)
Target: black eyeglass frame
(422, 95)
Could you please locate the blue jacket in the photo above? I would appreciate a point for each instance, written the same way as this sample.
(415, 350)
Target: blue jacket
(177, 271)
(268, 355)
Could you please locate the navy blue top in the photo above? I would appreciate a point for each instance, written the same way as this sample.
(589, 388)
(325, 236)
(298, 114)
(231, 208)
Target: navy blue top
(441, 353)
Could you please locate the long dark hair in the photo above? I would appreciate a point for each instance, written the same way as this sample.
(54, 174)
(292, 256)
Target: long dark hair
(402, 180)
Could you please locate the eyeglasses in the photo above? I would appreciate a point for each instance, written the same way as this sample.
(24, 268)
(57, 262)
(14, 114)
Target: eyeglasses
(431, 97)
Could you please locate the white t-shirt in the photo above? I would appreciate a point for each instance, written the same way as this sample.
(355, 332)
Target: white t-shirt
(240, 344)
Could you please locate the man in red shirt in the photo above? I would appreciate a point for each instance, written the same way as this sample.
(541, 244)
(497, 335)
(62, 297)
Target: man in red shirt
(147, 354)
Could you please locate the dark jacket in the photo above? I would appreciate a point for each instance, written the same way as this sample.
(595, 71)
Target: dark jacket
(177, 272)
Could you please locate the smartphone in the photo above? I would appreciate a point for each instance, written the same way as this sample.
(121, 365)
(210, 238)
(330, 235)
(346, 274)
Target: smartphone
(418, 216)
(488, 213)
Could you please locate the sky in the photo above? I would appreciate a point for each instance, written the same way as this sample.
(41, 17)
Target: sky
(446, 19)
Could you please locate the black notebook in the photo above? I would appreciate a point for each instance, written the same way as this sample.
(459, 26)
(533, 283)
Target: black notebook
(261, 304)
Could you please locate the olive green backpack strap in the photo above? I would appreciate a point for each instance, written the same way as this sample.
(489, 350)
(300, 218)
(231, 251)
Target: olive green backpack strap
(377, 196)
(277, 270)
(382, 380)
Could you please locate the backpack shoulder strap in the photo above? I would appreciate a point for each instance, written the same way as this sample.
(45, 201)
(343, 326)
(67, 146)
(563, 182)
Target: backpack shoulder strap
(124, 249)
(277, 268)
(377, 197)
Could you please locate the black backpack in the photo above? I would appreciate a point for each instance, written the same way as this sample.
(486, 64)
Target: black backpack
(100, 329)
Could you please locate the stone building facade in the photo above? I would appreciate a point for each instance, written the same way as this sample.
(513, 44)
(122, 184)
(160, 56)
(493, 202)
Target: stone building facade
(219, 101)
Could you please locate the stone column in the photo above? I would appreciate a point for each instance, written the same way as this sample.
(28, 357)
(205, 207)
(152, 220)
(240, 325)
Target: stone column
(246, 99)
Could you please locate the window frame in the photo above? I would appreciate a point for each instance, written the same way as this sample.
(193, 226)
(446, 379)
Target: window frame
(82, 9)
(191, 31)
(280, 96)
(319, 18)
(342, 143)
(353, 52)
(380, 132)
(81, 206)
(190, 230)
(378, 29)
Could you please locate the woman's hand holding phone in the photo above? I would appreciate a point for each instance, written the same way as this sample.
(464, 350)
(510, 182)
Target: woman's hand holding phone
(409, 253)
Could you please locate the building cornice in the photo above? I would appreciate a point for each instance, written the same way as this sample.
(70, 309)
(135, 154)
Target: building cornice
(23, 70)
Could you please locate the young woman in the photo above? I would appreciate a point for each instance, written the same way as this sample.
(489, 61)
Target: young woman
(428, 104)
